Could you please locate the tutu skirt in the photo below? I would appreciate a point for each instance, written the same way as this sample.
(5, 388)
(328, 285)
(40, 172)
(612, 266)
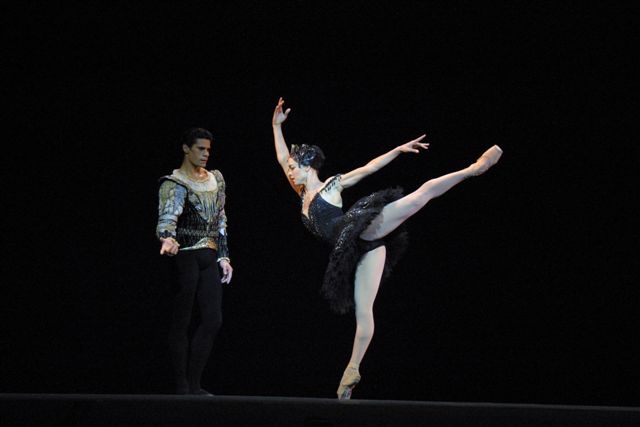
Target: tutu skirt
(338, 283)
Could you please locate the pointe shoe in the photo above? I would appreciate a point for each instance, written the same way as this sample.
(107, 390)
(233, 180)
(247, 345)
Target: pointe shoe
(350, 378)
(488, 159)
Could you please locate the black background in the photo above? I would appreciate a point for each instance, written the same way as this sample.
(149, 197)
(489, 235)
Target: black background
(518, 286)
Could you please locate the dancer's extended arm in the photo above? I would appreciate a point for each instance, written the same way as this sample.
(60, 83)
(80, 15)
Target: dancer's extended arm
(353, 177)
(282, 152)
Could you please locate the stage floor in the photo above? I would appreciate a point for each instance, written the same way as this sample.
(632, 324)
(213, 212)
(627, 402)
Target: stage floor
(172, 410)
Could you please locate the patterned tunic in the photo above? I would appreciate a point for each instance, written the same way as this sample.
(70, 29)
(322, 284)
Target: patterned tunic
(192, 212)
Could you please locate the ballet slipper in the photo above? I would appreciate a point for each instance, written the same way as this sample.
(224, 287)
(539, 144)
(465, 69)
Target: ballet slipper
(350, 378)
(488, 159)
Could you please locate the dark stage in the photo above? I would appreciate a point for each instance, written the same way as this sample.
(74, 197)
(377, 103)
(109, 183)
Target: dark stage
(519, 287)
(162, 410)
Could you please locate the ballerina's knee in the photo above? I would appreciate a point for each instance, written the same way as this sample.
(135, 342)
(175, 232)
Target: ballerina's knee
(365, 324)
(429, 190)
(365, 334)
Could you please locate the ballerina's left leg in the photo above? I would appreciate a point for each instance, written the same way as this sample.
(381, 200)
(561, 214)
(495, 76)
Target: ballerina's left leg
(395, 213)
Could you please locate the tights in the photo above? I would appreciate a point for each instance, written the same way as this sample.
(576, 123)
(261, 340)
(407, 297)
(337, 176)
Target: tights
(369, 269)
(199, 288)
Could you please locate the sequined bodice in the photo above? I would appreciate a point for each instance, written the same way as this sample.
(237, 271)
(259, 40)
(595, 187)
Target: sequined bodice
(324, 219)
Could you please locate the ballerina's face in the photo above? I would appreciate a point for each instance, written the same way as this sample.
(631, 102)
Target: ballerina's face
(296, 173)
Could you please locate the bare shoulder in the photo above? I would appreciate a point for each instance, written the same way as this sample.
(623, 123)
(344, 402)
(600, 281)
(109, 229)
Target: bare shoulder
(332, 190)
(333, 183)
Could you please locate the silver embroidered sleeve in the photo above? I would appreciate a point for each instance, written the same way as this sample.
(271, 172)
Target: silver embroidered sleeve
(223, 248)
(171, 198)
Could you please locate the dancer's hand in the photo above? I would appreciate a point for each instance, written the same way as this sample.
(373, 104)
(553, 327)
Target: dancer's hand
(169, 246)
(413, 146)
(227, 271)
(278, 115)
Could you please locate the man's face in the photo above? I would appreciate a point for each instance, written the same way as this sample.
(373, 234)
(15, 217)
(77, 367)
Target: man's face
(198, 153)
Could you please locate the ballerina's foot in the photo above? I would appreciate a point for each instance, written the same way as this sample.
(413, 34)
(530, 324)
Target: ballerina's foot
(488, 159)
(350, 378)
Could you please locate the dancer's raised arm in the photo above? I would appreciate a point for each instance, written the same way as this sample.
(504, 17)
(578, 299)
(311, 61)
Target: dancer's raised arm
(351, 178)
(279, 116)
(282, 152)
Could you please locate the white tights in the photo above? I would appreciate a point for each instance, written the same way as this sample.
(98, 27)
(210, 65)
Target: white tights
(371, 265)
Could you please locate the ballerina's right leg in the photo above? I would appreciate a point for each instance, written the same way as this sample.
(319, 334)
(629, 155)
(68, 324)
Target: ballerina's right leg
(367, 282)
(395, 213)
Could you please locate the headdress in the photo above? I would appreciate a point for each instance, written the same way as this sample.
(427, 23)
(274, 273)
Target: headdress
(307, 155)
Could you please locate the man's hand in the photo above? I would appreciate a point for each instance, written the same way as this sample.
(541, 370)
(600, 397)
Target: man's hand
(169, 246)
(227, 271)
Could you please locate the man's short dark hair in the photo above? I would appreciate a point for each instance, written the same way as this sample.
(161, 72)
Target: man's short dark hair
(190, 136)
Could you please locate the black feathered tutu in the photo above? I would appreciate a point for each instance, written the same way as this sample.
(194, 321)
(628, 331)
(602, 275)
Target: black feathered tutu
(343, 231)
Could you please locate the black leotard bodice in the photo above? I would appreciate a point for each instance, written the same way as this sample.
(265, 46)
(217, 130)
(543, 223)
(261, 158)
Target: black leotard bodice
(324, 219)
(342, 230)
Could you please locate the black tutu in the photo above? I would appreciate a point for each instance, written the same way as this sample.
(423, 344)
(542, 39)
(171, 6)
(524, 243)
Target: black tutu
(337, 286)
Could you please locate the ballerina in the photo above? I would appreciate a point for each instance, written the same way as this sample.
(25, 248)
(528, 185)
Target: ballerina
(368, 239)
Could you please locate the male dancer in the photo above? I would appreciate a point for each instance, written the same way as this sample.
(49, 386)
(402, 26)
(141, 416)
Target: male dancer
(192, 229)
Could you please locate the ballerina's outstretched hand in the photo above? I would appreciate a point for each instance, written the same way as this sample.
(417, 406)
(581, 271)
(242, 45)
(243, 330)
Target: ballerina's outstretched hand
(414, 145)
